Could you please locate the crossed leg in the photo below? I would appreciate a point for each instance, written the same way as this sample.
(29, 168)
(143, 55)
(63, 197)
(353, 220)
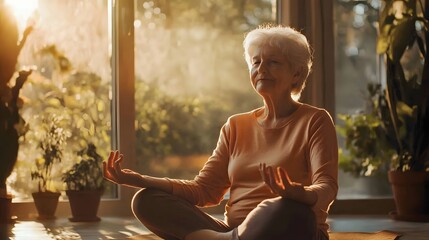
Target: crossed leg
(171, 217)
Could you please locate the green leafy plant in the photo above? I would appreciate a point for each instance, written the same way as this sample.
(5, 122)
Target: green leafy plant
(394, 132)
(87, 173)
(81, 98)
(368, 150)
(404, 30)
(52, 146)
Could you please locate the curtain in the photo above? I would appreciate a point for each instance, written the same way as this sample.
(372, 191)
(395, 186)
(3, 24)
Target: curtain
(314, 18)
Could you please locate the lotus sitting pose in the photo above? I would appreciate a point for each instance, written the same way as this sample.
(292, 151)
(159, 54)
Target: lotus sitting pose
(279, 162)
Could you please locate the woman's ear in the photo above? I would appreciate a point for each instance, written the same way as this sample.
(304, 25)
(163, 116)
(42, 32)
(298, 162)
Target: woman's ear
(298, 75)
(299, 72)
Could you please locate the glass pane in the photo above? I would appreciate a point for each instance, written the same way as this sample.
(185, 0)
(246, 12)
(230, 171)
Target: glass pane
(71, 84)
(356, 66)
(190, 76)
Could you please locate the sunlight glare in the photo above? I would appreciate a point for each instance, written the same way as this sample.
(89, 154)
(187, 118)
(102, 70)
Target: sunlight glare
(22, 10)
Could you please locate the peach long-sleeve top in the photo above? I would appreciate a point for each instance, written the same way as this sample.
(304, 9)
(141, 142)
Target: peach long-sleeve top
(305, 144)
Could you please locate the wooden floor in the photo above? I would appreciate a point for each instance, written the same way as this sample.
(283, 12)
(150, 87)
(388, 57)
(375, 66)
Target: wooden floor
(363, 223)
(129, 228)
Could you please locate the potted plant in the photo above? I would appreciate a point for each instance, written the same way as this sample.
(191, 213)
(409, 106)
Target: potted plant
(52, 143)
(397, 132)
(11, 122)
(85, 185)
(393, 136)
(404, 27)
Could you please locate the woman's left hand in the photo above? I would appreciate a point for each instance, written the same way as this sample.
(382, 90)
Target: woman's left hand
(279, 183)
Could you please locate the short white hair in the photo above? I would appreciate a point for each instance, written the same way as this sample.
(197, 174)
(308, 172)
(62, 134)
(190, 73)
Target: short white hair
(292, 44)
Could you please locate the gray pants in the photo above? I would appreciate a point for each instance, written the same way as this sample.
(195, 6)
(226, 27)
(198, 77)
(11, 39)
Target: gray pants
(171, 217)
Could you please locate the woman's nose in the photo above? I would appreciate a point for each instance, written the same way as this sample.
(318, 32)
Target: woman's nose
(262, 67)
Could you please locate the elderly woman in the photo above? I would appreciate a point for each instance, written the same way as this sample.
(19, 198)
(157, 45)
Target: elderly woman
(279, 161)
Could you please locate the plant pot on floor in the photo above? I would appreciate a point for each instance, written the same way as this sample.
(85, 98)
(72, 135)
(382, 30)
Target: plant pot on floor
(46, 204)
(5, 209)
(84, 205)
(411, 194)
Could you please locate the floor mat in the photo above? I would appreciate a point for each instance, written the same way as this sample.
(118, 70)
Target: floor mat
(382, 235)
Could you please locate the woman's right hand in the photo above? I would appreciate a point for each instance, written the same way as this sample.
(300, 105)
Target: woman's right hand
(114, 173)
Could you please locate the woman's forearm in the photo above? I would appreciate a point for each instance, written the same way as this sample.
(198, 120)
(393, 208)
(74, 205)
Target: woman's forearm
(309, 197)
(156, 182)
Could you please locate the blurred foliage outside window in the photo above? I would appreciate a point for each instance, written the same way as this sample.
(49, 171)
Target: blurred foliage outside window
(356, 64)
(69, 52)
(190, 77)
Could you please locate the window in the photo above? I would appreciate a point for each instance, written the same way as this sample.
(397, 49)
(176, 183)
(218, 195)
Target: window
(356, 65)
(190, 76)
(68, 51)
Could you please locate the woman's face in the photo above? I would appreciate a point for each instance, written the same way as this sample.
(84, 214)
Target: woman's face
(270, 73)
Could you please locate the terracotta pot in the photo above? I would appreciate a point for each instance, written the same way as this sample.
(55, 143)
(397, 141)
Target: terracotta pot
(411, 194)
(5, 209)
(84, 205)
(46, 204)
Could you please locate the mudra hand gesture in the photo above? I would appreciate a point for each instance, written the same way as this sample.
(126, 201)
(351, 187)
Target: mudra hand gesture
(113, 171)
(279, 183)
